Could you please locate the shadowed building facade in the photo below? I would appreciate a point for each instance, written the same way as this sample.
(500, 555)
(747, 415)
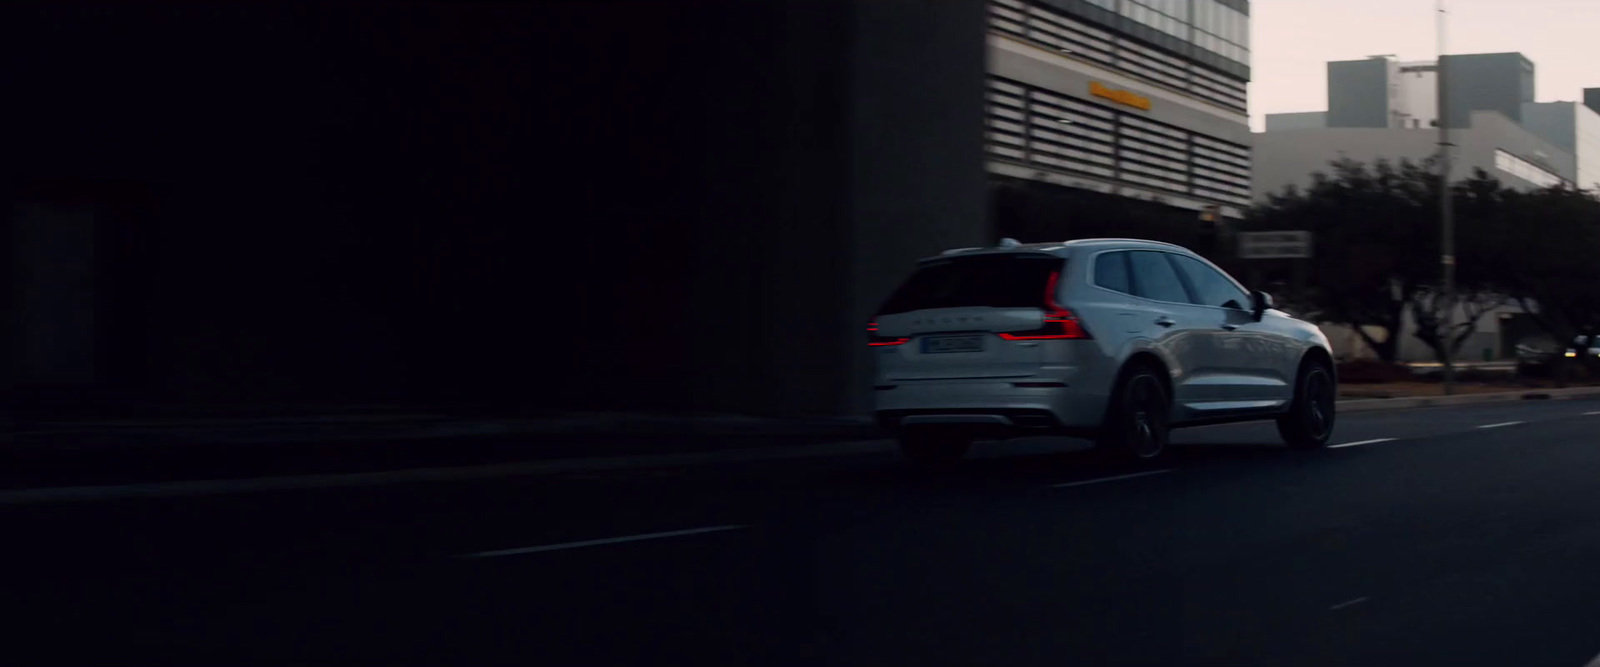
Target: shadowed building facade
(586, 205)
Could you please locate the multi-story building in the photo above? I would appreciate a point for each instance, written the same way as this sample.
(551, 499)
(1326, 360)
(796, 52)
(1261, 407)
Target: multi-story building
(1573, 127)
(1514, 154)
(1381, 92)
(1365, 93)
(1139, 98)
(1379, 107)
(1383, 108)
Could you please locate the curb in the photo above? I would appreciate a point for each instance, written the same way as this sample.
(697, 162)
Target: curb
(1375, 404)
(235, 486)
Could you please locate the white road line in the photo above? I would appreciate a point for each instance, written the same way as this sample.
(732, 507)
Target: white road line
(1109, 479)
(1347, 603)
(596, 543)
(1501, 424)
(1359, 443)
(1593, 663)
(1591, 413)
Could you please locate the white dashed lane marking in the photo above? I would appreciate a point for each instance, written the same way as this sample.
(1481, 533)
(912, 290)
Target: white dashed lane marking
(1359, 443)
(600, 542)
(1109, 479)
(1347, 603)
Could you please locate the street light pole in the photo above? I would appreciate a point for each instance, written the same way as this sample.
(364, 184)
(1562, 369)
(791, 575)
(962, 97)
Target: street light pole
(1447, 231)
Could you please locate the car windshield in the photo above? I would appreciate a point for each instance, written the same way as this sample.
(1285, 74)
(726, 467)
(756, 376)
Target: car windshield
(1012, 280)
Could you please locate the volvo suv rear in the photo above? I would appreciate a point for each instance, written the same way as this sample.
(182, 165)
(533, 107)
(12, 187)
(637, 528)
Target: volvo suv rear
(1116, 339)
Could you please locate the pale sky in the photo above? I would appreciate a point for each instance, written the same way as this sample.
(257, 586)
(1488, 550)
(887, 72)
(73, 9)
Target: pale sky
(1291, 40)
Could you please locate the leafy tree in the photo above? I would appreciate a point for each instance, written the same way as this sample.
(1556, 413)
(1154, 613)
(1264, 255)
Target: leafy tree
(1447, 321)
(1547, 243)
(1376, 252)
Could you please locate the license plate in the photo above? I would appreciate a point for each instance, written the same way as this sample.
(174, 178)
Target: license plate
(943, 344)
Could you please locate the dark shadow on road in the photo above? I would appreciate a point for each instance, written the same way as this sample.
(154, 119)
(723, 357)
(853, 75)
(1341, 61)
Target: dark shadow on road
(1006, 464)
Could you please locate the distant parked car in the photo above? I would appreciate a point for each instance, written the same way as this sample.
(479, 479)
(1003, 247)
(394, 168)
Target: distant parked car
(1591, 349)
(1537, 356)
(1116, 339)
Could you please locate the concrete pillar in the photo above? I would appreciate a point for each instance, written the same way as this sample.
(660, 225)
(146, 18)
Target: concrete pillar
(54, 255)
(918, 181)
(866, 134)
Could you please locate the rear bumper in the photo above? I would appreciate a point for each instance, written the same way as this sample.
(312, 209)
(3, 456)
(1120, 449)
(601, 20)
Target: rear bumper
(997, 405)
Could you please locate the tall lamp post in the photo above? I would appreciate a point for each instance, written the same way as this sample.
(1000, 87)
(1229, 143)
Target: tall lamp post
(1447, 231)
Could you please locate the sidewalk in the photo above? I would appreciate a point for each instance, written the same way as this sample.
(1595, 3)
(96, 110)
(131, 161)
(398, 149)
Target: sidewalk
(128, 451)
(110, 452)
(596, 429)
(436, 437)
(575, 434)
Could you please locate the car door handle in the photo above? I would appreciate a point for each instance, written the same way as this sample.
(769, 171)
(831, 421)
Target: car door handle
(1165, 321)
(1230, 327)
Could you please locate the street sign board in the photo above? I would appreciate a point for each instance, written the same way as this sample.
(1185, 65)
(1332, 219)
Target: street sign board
(1274, 245)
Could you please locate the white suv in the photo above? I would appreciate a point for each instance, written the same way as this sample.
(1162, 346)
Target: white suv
(1115, 339)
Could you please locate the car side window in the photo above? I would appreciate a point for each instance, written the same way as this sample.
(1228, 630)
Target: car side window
(1111, 272)
(1155, 278)
(1211, 287)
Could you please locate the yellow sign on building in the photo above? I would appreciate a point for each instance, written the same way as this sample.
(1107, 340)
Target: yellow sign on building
(1136, 101)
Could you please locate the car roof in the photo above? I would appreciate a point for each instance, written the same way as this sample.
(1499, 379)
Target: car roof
(1062, 248)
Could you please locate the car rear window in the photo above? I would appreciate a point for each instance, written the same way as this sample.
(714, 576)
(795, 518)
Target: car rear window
(996, 281)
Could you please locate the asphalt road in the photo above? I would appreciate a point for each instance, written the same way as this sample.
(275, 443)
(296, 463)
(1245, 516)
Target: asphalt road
(1461, 536)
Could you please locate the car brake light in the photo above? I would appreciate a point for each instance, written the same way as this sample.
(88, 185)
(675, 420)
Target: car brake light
(1058, 325)
(1059, 322)
(1050, 292)
(874, 340)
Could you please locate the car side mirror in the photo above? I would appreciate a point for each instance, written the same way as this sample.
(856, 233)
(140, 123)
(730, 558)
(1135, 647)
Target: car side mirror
(1260, 303)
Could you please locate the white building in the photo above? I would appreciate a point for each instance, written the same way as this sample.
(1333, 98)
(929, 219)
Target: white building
(1418, 100)
(1572, 127)
(1382, 107)
(1494, 143)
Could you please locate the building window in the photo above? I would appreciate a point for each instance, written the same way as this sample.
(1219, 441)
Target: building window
(1035, 21)
(1525, 170)
(1051, 130)
(1222, 30)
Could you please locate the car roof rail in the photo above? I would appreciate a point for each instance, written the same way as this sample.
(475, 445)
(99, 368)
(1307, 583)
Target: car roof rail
(1113, 239)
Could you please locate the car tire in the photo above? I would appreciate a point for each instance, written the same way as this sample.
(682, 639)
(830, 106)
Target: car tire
(933, 447)
(1137, 422)
(1309, 422)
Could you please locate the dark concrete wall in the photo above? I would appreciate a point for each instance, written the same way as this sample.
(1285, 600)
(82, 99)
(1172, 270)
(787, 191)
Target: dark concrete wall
(572, 205)
(769, 169)
(225, 149)
(1500, 82)
(1358, 93)
(874, 159)
(1555, 122)
(917, 184)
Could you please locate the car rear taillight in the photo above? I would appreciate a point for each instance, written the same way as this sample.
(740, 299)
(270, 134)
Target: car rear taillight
(1059, 322)
(874, 340)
